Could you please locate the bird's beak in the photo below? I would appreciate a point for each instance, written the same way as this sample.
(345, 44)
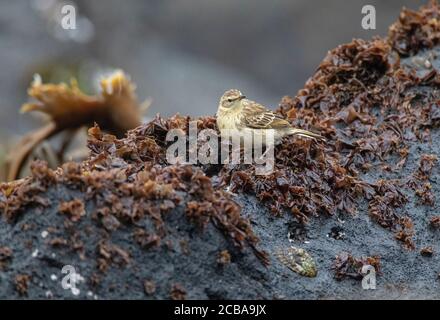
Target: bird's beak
(242, 97)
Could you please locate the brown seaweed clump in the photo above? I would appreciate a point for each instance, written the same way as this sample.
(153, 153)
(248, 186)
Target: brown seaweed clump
(427, 251)
(416, 30)
(347, 266)
(74, 209)
(224, 258)
(177, 292)
(128, 186)
(22, 284)
(434, 222)
(419, 181)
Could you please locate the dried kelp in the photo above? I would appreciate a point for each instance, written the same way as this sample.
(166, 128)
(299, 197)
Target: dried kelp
(116, 110)
(419, 181)
(427, 251)
(109, 254)
(224, 258)
(177, 292)
(383, 209)
(74, 209)
(434, 222)
(22, 283)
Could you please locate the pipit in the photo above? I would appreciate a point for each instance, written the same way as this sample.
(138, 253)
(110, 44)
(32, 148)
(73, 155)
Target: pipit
(251, 118)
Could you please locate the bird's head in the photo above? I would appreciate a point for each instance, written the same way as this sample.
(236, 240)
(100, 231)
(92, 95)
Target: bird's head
(230, 98)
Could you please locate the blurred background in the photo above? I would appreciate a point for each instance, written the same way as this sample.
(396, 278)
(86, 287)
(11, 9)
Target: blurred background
(183, 54)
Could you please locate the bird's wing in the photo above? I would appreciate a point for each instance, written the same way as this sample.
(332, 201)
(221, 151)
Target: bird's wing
(259, 117)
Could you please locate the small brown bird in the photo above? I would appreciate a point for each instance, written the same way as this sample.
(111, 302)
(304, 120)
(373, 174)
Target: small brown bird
(249, 117)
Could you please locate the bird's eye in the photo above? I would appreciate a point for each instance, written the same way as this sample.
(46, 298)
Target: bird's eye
(229, 100)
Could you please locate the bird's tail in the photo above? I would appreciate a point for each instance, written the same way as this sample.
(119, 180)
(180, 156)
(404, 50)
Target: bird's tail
(305, 133)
